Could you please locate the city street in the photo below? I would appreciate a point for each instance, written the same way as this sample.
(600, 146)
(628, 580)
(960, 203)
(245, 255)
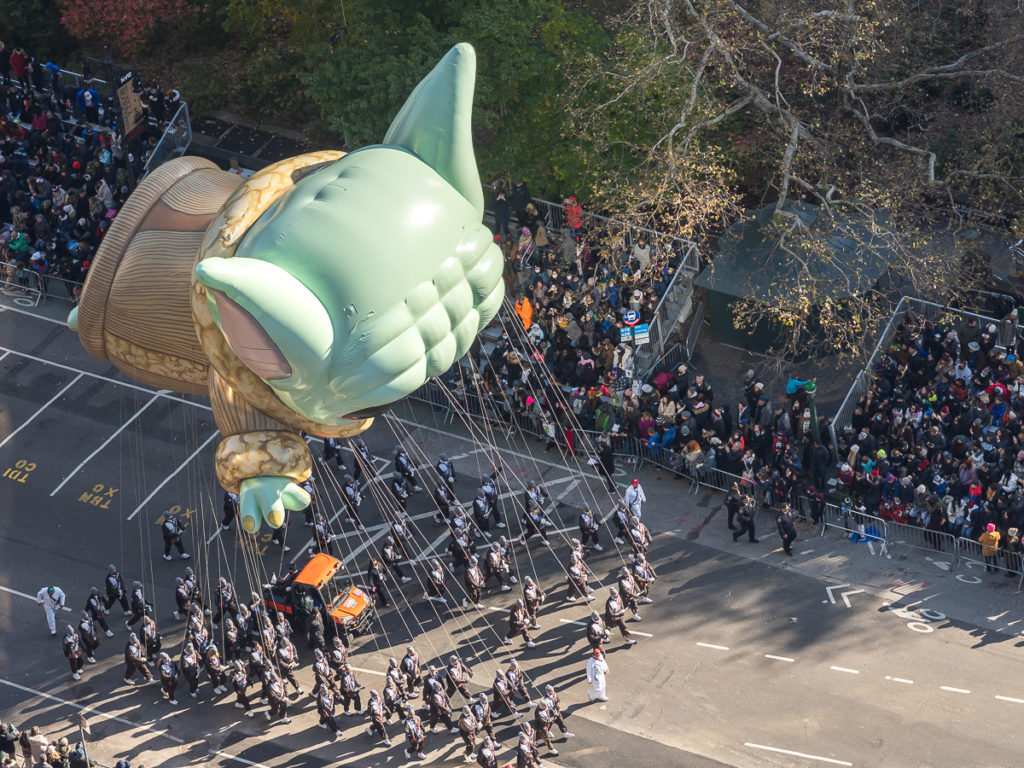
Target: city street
(747, 658)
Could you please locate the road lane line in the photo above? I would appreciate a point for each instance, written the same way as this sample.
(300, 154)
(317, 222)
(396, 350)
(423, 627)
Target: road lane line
(953, 690)
(106, 442)
(106, 378)
(713, 647)
(167, 479)
(779, 658)
(804, 755)
(46, 405)
(368, 671)
(124, 721)
(846, 670)
(1010, 699)
(899, 680)
(583, 624)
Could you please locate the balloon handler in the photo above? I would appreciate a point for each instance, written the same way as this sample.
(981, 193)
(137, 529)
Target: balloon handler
(307, 298)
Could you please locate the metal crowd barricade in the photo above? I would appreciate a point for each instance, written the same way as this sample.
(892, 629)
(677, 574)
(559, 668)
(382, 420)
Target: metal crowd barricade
(970, 551)
(916, 537)
(861, 525)
(21, 292)
(175, 140)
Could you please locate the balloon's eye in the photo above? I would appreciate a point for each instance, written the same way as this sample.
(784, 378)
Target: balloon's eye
(367, 413)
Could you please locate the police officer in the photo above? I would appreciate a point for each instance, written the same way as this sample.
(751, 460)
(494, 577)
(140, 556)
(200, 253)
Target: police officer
(787, 529)
(746, 520)
(115, 590)
(172, 530)
(87, 634)
(73, 652)
(457, 676)
(468, 728)
(353, 498)
(518, 623)
(614, 611)
(474, 580)
(230, 510)
(375, 708)
(135, 660)
(446, 471)
(436, 582)
(325, 708)
(377, 576)
(332, 450)
(589, 525)
(405, 468)
(733, 503)
(94, 605)
(533, 598)
(414, 734)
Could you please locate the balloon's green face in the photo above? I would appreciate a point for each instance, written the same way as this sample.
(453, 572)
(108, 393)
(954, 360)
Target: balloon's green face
(372, 273)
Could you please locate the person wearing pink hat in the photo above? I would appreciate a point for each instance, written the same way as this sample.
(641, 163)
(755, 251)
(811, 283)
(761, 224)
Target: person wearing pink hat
(989, 541)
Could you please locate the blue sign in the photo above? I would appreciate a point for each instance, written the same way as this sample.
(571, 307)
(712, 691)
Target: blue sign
(631, 318)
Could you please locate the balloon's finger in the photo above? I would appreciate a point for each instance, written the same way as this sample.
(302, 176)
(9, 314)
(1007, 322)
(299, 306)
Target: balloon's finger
(275, 515)
(249, 512)
(295, 497)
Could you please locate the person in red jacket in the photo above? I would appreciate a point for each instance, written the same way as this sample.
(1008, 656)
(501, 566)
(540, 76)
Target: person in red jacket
(573, 215)
(19, 64)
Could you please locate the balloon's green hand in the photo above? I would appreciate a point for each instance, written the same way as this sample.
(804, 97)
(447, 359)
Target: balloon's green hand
(267, 498)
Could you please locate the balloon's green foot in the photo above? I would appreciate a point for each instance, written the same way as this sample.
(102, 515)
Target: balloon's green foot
(73, 319)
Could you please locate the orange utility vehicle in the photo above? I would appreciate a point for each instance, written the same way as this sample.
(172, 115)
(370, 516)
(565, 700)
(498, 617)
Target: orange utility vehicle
(323, 585)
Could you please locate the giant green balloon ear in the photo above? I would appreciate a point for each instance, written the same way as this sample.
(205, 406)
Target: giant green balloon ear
(435, 123)
(271, 320)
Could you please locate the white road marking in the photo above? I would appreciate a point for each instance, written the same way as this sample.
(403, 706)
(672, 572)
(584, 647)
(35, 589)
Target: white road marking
(899, 680)
(124, 721)
(106, 378)
(46, 405)
(368, 671)
(167, 479)
(779, 658)
(26, 596)
(1010, 699)
(953, 690)
(797, 754)
(846, 670)
(431, 548)
(714, 647)
(105, 443)
(568, 489)
(370, 540)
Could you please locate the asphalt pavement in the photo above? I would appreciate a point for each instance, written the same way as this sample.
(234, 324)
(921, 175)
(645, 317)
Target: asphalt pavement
(842, 655)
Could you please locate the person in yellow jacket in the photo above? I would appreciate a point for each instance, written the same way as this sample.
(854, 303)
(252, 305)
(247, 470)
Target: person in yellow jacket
(990, 546)
(524, 309)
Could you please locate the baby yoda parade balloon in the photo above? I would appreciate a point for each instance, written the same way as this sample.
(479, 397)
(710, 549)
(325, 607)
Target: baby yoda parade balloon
(308, 297)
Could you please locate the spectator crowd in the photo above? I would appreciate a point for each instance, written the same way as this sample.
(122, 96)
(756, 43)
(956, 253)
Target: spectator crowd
(30, 748)
(64, 169)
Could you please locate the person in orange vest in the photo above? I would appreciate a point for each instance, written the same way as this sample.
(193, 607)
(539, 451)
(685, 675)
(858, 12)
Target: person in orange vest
(573, 215)
(524, 309)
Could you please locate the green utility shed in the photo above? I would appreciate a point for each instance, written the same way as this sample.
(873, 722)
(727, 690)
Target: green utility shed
(844, 254)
